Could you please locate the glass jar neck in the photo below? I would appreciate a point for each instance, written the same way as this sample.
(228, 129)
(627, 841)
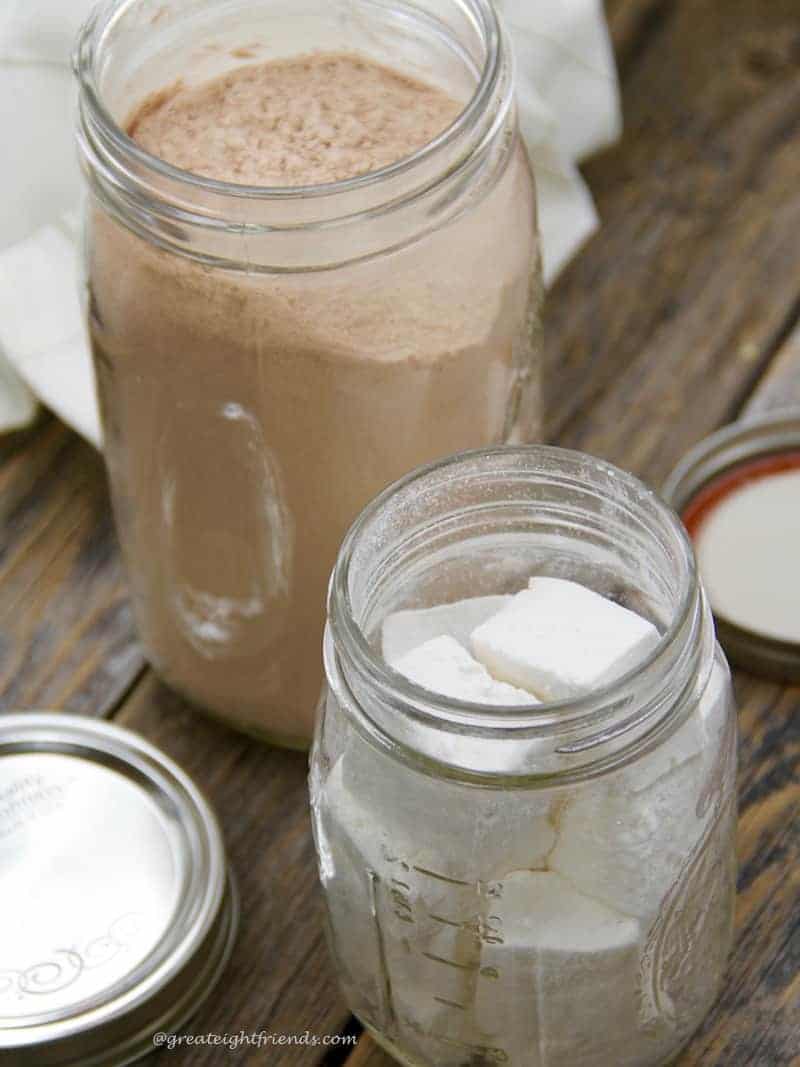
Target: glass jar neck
(482, 523)
(129, 49)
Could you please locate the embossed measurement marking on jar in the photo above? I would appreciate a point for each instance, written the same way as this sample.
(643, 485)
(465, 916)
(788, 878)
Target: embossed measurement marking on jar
(484, 972)
(487, 1052)
(483, 1053)
(485, 931)
(407, 890)
(441, 877)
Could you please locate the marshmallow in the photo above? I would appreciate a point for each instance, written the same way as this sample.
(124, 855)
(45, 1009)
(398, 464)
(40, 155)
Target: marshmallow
(559, 640)
(607, 830)
(607, 835)
(403, 631)
(444, 667)
(387, 916)
(415, 896)
(485, 833)
(558, 980)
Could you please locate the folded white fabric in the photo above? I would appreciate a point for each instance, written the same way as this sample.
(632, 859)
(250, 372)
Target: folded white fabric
(569, 107)
(568, 103)
(40, 30)
(41, 323)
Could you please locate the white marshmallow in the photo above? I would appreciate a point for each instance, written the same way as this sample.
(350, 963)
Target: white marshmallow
(561, 988)
(403, 631)
(444, 667)
(375, 903)
(559, 640)
(607, 829)
(478, 835)
(412, 899)
(605, 844)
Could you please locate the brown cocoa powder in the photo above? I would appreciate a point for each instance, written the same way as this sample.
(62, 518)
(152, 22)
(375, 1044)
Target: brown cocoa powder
(303, 121)
(249, 417)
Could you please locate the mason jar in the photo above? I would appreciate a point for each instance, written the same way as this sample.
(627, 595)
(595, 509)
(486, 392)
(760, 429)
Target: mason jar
(546, 886)
(269, 358)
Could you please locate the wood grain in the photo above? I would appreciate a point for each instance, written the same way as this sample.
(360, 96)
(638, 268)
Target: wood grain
(660, 328)
(757, 1018)
(631, 23)
(369, 1054)
(780, 387)
(66, 633)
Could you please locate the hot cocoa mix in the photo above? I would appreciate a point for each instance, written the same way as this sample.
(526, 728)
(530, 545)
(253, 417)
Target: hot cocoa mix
(250, 415)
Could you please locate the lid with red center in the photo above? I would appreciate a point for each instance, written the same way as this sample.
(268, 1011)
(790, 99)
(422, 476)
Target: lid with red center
(738, 493)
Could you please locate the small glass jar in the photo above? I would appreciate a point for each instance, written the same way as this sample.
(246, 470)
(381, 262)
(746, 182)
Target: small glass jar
(270, 358)
(549, 886)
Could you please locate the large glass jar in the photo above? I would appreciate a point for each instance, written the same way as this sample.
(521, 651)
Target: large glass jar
(270, 358)
(549, 886)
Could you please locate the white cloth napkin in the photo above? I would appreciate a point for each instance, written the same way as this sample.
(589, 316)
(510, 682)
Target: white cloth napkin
(569, 108)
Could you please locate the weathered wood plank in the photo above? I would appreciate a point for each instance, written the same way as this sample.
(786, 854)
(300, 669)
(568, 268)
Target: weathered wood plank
(781, 385)
(757, 1019)
(280, 978)
(673, 307)
(630, 23)
(368, 1054)
(66, 633)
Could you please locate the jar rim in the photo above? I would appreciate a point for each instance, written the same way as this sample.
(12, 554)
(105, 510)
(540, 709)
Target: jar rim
(102, 18)
(544, 718)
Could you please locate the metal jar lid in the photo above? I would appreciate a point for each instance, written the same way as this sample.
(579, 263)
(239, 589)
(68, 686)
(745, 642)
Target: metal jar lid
(117, 911)
(715, 458)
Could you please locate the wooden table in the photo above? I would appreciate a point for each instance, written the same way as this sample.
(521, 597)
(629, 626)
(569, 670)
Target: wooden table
(679, 315)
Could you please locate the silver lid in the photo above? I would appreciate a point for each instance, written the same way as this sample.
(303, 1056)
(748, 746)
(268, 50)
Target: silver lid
(117, 913)
(712, 460)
